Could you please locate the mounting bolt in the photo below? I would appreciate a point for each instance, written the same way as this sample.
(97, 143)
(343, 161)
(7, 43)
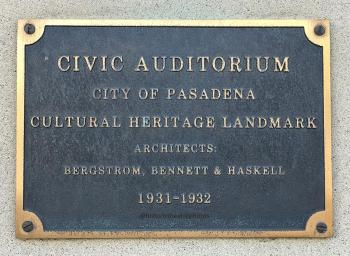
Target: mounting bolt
(321, 227)
(29, 28)
(27, 226)
(319, 30)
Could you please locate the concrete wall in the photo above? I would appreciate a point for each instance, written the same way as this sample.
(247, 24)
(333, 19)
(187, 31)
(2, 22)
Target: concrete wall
(337, 11)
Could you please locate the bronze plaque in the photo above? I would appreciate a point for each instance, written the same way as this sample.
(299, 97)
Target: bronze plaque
(173, 128)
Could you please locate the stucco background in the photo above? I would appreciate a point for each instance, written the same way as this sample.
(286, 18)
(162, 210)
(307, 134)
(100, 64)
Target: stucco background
(337, 11)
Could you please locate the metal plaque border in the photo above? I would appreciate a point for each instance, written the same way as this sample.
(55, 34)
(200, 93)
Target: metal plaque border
(24, 39)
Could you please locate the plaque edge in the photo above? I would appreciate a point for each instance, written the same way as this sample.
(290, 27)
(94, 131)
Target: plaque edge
(38, 232)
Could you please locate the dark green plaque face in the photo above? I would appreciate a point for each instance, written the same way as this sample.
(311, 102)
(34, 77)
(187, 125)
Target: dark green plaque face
(173, 128)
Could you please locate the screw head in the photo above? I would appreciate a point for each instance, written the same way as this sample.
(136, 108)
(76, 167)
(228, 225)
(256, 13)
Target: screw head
(28, 226)
(319, 30)
(321, 227)
(29, 28)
